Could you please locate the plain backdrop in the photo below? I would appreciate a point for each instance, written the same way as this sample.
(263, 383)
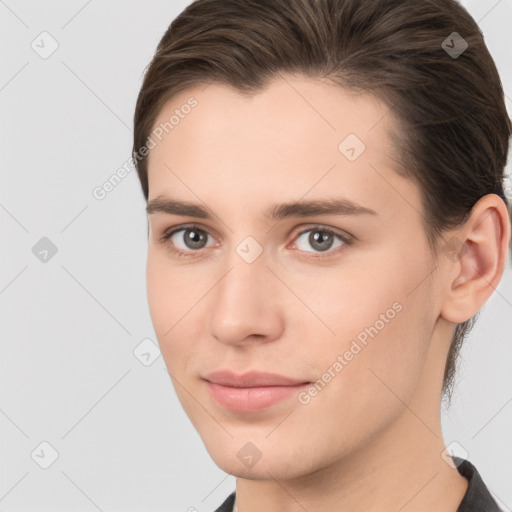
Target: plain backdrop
(79, 393)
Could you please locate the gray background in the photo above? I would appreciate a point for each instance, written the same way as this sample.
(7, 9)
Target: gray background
(70, 324)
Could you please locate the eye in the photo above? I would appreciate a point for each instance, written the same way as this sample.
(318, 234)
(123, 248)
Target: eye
(186, 239)
(321, 239)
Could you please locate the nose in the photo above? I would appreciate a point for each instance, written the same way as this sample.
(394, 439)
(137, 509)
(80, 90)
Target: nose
(247, 308)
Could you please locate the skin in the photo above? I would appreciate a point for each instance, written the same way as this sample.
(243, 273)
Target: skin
(371, 439)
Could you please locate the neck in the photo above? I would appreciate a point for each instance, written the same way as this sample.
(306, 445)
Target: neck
(402, 469)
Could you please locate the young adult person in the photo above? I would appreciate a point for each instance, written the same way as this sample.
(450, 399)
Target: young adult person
(324, 186)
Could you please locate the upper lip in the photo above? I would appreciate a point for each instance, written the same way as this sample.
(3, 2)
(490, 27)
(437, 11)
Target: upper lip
(251, 379)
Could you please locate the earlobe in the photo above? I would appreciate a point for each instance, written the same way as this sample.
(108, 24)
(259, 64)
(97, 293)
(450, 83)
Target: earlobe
(475, 258)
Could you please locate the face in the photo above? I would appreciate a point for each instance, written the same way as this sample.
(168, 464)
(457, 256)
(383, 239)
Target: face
(335, 300)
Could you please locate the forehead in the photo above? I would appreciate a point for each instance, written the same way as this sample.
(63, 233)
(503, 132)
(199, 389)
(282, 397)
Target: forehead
(288, 135)
(303, 107)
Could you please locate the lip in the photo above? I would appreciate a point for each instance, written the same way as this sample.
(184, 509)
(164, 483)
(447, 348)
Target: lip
(252, 391)
(251, 379)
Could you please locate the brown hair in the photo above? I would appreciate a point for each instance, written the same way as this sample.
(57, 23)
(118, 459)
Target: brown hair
(453, 131)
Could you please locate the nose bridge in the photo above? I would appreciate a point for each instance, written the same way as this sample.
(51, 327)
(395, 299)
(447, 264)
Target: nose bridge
(247, 263)
(244, 301)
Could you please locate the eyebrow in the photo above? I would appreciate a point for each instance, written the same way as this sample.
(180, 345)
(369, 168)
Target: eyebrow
(309, 208)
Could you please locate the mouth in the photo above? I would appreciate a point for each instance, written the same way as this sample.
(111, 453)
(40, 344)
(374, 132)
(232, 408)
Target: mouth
(252, 391)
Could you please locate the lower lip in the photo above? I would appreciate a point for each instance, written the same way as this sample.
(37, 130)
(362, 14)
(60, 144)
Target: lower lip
(252, 399)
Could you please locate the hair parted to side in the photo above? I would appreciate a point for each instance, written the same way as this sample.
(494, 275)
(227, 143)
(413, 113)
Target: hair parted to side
(453, 128)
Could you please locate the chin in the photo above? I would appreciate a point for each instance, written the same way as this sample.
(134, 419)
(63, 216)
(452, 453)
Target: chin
(256, 458)
(273, 467)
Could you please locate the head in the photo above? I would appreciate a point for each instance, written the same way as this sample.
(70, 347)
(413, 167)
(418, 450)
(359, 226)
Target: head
(248, 105)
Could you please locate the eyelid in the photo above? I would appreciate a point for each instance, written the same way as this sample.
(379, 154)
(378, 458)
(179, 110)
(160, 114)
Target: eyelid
(174, 229)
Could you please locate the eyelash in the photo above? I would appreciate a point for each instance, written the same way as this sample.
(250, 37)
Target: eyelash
(347, 241)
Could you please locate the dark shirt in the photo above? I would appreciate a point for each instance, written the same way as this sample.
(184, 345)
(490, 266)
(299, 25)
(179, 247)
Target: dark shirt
(476, 499)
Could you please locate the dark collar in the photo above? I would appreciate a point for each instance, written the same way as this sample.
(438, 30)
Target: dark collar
(227, 506)
(476, 499)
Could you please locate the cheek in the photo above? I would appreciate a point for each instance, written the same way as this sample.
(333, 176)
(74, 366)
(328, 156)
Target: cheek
(379, 309)
(366, 291)
(161, 302)
(167, 298)
(174, 299)
(374, 365)
(171, 290)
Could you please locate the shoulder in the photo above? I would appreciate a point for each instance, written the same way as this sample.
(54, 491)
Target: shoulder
(477, 497)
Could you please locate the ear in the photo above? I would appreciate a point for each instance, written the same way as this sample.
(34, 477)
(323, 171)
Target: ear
(474, 259)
